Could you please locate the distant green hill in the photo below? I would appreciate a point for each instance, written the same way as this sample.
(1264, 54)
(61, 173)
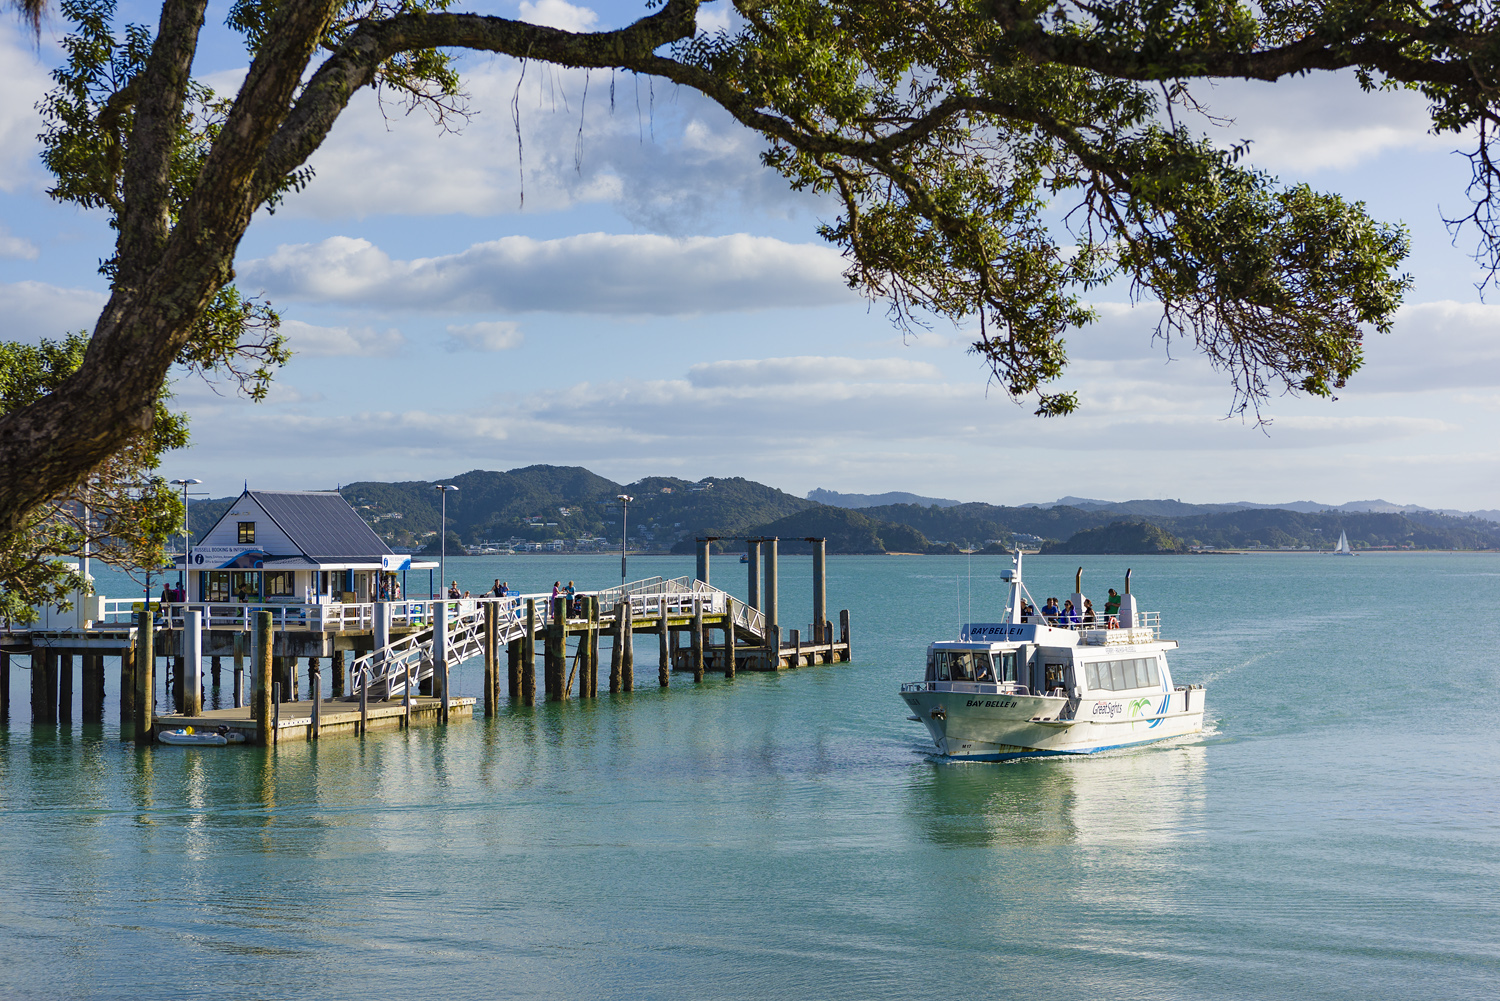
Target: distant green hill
(848, 532)
(1127, 538)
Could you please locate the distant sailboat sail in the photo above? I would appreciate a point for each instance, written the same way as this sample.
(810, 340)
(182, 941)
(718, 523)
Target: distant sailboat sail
(1342, 549)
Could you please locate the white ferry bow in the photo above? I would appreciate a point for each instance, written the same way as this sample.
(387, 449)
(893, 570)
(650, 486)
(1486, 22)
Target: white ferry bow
(1027, 687)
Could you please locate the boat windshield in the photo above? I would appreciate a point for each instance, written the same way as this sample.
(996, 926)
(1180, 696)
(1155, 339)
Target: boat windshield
(961, 665)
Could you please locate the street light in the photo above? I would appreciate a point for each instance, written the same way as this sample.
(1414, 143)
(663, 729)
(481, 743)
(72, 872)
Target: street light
(445, 490)
(187, 543)
(625, 500)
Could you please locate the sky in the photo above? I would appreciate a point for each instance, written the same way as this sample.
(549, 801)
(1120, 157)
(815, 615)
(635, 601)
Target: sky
(632, 292)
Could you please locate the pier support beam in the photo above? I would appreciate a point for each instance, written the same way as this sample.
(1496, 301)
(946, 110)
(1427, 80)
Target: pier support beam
(664, 647)
(696, 643)
(617, 648)
(513, 668)
(192, 648)
(4, 689)
(844, 635)
(627, 655)
(337, 686)
(491, 667)
(216, 666)
(704, 545)
(145, 686)
(591, 658)
(728, 637)
(315, 692)
(752, 552)
(557, 651)
(128, 687)
(528, 656)
(179, 675)
(440, 656)
(820, 590)
(65, 688)
(769, 606)
(260, 670)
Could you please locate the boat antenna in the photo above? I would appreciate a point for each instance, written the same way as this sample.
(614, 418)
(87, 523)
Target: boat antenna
(958, 595)
(971, 585)
(1127, 580)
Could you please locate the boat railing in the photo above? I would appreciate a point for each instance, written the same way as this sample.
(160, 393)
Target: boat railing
(1128, 632)
(967, 687)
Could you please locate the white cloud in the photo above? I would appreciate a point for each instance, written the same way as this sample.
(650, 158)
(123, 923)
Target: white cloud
(808, 369)
(33, 310)
(715, 17)
(340, 342)
(16, 246)
(493, 335)
(558, 14)
(638, 275)
(1434, 346)
(23, 81)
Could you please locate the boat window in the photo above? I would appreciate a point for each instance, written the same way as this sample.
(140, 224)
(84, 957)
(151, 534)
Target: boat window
(1117, 676)
(1091, 677)
(1008, 666)
(984, 667)
(1120, 675)
(959, 665)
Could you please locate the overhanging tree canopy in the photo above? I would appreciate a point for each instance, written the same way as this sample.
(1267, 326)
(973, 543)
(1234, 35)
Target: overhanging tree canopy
(954, 133)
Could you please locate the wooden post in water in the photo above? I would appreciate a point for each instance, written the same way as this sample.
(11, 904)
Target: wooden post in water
(145, 687)
(627, 655)
(617, 648)
(128, 688)
(4, 689)
(664, 655)
(704, 546)
(275, 713)
(769, 605)
(592, 657)
(241, 641)
(490, 667)
(216, 666)
(337, 688)
(528, 656)
(364, 709)
(820, 590)
(315, 690)
(554, 651)
(796, 648)
(65, 688)
(260, 673)
(697, 641)
(844, 630)
(440, 657)
(513, 668)
(728, 637)
(179, 673)
(192, 648)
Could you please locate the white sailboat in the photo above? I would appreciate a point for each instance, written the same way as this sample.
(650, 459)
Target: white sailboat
(1342, 549)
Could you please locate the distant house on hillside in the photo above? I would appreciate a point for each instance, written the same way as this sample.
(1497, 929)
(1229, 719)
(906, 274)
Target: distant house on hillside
(291, 546)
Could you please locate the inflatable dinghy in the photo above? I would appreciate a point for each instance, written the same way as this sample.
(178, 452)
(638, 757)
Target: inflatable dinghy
(210, 739)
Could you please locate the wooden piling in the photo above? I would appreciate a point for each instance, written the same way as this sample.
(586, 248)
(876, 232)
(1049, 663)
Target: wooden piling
(752, 551)
(664, 654)
(844, 633)
(179, 678)
(128, 687)
(241, 641)
(728, 637)
(315, 689)
(337, 686)
(490, 666)
(513, 668)
(4, 689)
(261, 706)
(528, 656)
(440, 658)
(145, 686)
(696, 643)
(796, 648)
(593, 641)
(65, 688)
(770, 603)
(275, 712)
(617, 648)
(627, 655)
(215, 667)
(555, 652)
(364, 709)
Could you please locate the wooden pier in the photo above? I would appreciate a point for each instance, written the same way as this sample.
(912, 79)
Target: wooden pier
(386, 663)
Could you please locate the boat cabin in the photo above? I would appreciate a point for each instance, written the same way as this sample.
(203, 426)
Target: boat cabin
(302, 546)
(1071, 671)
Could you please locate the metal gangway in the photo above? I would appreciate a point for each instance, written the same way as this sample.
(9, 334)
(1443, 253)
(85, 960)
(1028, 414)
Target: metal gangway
(399, 666)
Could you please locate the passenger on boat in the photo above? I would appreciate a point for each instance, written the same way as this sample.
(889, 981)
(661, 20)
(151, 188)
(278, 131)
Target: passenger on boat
(1027, 612)
(1050, 611)
(1112, 603)
(1089, 619)
(1069, 615)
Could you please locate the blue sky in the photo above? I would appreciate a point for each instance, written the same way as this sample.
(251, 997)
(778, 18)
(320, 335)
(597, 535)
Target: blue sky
(662, 305)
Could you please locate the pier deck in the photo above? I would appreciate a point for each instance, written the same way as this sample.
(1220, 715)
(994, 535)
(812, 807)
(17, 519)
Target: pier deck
(335, 717)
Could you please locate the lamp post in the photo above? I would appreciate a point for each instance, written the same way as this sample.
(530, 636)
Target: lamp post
(445, 490)
(187, 544)
(625, 500)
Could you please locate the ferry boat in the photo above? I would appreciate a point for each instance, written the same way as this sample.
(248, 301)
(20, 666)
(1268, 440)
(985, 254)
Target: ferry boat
(1026, 687)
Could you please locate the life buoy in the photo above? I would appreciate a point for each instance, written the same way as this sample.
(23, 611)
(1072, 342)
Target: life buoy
(1112, 623)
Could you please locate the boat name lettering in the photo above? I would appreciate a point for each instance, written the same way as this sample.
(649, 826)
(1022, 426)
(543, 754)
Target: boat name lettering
(999, 630)
(1108, 708)
(992, 704)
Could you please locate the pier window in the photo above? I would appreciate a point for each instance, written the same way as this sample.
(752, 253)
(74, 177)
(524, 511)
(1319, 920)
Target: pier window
(216, 585)
(247, 533)
(279, 584)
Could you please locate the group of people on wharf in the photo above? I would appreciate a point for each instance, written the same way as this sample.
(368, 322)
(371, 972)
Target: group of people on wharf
(1068, 617)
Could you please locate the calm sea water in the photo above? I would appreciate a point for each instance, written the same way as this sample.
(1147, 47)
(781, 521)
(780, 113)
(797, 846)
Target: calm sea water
(1335, 834)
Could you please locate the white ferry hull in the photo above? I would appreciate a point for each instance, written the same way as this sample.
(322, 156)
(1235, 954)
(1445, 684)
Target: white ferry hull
(985, 727)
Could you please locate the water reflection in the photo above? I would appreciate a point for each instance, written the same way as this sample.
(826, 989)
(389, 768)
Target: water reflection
(1146, 795)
